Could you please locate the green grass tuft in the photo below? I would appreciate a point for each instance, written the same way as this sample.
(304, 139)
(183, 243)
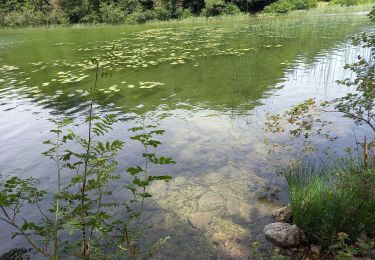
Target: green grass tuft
(326, 201)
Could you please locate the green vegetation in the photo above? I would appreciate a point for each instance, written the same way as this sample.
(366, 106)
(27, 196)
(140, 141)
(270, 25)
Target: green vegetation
(216, 68)
(17, 13)
(350, 2)
(333, 199)
(85, 219)
(334, 204)
(220, 9)
(285, 6)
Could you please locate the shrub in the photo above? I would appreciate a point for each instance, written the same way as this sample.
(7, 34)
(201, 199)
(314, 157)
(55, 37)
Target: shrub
(280, 7)
(250, 5)
(91, 18)
(195, 6)
(24, 17)
(141, 16)
(328, 201)
(111, 14)
(344, 2)
(184, 13)
(220, 9)
(162, 14)
(351, 2)
(284, 6)
(75, 9)
(231, 9)
(56, 17)
(304, 4)
(31, 17)
(129, 6)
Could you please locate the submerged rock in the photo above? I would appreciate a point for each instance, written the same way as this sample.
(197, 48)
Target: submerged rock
(283, 214)
(210, 201)
(284, 234)
(200, 219)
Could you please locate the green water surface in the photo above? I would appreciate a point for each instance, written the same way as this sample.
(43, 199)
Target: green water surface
(208, 84)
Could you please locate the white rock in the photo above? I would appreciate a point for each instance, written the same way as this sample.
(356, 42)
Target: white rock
(284, 234)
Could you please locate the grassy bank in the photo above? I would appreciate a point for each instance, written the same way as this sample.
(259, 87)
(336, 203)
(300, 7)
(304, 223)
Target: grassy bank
(240, 17)
(334, 205)
(36, 18)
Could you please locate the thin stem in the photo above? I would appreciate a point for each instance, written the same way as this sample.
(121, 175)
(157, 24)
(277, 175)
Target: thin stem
(57, 159)
(145, 177)
(85, 171)
(26, 236)
(41, 211)
(97, 211)
(127, 241)
(368, 122)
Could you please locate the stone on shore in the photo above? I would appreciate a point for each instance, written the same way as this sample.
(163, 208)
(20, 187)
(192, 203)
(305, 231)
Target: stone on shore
(284, 234)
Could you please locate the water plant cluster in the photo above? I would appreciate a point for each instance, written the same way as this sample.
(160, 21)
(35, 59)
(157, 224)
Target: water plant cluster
(139, 58)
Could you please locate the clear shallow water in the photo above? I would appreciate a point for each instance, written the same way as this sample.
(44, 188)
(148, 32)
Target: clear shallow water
(208, 85)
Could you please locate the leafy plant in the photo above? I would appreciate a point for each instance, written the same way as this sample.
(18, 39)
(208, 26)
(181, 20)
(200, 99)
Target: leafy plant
(220, 9)
(285, 6)
(81, 221)
(333, 204)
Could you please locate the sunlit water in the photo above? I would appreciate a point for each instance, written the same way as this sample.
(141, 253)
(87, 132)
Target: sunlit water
(209, 85)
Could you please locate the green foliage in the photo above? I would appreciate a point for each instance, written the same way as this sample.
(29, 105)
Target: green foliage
(80, 221)
(334, 205)
(344, 2)
(112, 14)
(162, 14)
(350, 2)
(195, 6)
(326, 201)
(31, 17)
(16, 13)
(250, 5)
(360, 105)
(128, 6)
(372, 14)
(280, 7)
(346, 249)
(141, 16)
(220, 9)
(75, 9)
(284, 6)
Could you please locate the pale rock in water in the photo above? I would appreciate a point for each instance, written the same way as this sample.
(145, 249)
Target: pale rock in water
(210, 201)
(284, 234)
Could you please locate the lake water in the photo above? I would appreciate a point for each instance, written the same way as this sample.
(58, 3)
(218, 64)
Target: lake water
(209, 85)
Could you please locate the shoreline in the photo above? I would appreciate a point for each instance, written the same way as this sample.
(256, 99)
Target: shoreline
(325, 10)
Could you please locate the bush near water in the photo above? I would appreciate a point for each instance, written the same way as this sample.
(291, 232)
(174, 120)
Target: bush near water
(18, 13)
